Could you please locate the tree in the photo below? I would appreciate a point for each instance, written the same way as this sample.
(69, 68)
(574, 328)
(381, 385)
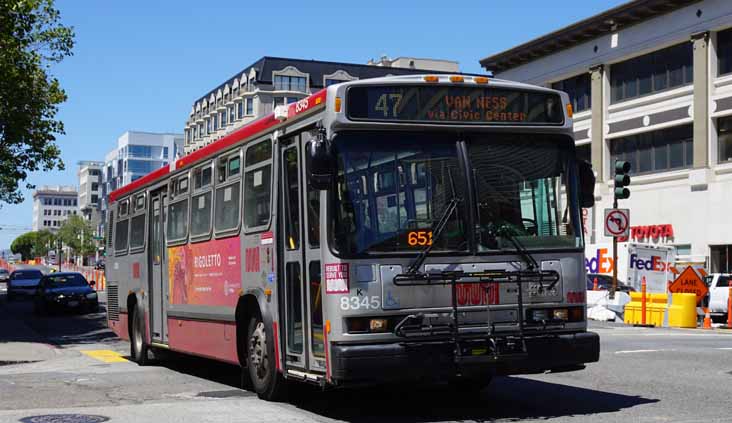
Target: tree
(31, 39)
(44, 241)
(23, 245)
(73, 231)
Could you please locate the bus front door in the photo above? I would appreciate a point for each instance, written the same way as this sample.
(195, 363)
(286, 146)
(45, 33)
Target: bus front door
(299, 237)
(158, 292)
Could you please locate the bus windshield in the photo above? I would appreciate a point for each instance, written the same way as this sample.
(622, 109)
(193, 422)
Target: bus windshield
(393, 188)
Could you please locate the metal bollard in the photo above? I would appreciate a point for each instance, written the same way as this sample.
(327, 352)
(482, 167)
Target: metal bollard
(643, 300)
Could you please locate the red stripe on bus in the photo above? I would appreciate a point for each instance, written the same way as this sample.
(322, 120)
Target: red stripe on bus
(276, 346)
(251, 129)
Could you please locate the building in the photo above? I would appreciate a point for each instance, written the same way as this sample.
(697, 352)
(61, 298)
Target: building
(273, 81)
(439, 65)
(650, 83)
(137, 153)
(52, 205)
(90, 190)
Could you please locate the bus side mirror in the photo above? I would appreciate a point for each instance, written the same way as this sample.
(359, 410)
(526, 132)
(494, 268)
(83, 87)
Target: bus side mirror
(319, 161)
(586, 185)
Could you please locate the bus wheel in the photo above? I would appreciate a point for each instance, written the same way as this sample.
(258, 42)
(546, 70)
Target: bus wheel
(266, 381)
(138, 348)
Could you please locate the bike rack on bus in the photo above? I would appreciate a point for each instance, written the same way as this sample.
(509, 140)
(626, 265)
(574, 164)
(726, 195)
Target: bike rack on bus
(418, 326)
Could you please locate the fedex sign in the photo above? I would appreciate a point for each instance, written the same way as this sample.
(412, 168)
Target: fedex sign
(652, 263)
(602, 262)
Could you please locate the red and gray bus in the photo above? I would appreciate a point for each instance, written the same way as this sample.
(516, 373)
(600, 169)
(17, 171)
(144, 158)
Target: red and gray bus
(390, 229)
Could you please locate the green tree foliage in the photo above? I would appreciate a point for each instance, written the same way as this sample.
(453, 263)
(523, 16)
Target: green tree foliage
(23, 245)
(44, 241)
(31, 40)
(73, 231)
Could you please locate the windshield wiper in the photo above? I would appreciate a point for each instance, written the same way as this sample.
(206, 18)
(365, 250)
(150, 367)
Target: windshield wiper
(437, 229)
(532, 266)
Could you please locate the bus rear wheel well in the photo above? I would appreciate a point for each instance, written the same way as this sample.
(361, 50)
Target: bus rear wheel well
(131, 309)
(246, 309)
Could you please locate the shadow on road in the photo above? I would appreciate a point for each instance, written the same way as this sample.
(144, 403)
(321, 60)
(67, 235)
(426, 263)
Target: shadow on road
(507, 398)
(18, 323)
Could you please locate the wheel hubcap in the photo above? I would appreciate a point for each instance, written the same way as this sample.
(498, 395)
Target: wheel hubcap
(258, 351)
(138, 338)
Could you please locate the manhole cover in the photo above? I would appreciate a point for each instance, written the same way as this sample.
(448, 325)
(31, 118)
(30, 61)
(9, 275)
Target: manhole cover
(225, 394)
(65, 418)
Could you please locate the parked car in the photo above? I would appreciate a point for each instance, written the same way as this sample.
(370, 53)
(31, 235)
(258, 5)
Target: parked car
(604, 282)
(718, 293)
(23, 283)
(65, 291)
(4, 276)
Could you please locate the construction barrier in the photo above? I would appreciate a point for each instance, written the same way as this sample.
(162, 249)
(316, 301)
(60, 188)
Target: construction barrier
(656, 305)
(682, 312)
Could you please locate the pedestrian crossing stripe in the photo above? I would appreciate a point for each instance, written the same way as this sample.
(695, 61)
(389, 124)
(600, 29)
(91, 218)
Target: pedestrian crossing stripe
(107, 356)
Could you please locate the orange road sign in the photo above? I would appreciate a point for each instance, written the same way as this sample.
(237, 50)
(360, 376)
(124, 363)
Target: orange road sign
(691, 283)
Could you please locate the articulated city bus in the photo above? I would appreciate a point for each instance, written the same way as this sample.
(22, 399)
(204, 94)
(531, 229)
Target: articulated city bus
(391, 229)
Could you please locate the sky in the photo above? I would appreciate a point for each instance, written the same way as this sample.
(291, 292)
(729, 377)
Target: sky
(139, 65)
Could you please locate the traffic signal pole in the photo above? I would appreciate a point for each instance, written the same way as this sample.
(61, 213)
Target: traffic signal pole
(620, 192)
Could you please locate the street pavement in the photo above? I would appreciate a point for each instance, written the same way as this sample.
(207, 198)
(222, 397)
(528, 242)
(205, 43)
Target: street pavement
(75, 366)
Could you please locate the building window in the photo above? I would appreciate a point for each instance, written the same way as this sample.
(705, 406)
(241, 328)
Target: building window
(232, 116)
(240, 110)
(279, 101)
(656, 151)
(250, 106)
(578, 88)
(329, 82)
(94, 199)
(724, 52)
(95, 186)
(289, 83)
(215, 119)
(208, 125)
(724, 139)
(222, 118)
(653, 72)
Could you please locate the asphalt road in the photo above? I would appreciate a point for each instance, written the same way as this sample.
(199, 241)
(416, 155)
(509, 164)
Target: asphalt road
(645, 375)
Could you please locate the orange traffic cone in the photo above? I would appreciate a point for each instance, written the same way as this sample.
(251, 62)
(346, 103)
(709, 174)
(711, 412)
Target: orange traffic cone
(707, 319)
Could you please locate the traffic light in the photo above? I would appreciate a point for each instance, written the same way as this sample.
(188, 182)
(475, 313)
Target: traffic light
(622, 180)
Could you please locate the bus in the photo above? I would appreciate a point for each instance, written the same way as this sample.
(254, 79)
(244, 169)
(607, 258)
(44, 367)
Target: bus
(391, 229)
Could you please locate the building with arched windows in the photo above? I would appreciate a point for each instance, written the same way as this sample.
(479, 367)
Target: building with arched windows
(273, 81)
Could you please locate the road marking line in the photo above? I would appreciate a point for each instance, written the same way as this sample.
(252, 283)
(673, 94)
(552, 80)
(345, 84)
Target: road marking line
(724, 348)
(638, 351)
(107, 356)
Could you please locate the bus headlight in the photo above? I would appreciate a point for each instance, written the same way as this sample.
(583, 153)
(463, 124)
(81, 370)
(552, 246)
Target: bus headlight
(378, 325)
(561, 314)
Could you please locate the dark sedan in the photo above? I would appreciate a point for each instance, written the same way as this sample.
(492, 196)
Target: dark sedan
(65, 291)
(23, 283)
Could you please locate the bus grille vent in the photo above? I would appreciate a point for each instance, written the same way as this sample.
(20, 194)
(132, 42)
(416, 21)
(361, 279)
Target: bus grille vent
(113, 302)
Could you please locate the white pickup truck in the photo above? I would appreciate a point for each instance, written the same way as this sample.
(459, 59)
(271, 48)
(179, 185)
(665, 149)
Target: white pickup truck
(718, 293)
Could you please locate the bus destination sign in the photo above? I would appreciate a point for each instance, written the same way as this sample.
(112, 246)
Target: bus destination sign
(453, 104)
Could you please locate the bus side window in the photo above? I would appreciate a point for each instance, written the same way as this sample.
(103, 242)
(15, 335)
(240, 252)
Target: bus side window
(292, 199)
(226, 210)
(178, 211)
(257, 185)
(120, 236)
(201, 202)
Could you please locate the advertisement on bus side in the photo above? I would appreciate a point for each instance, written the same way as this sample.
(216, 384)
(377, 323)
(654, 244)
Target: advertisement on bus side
(207, 273)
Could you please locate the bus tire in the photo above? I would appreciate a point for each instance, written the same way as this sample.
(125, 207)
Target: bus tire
(265, 380)
(138, 348)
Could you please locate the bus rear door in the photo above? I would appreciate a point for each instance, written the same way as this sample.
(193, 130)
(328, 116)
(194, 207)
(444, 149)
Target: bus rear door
(158, 267)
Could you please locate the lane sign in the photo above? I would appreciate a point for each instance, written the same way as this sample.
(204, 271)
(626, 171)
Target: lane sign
(689, 282)
(617, 222)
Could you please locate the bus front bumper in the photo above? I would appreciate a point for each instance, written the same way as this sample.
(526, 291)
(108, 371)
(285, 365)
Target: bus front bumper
(402, 361)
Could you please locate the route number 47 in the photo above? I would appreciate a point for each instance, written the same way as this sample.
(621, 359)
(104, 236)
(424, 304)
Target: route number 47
(386, 102)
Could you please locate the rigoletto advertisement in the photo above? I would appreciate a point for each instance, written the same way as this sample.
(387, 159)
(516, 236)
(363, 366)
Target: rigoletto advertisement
(208, 273)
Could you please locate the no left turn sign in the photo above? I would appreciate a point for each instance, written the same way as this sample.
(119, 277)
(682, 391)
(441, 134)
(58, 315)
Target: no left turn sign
(617, 222)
